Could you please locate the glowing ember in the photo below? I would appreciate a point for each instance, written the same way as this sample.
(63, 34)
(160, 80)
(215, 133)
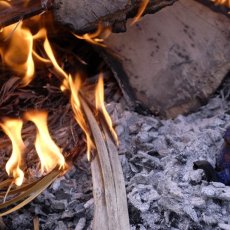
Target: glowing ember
(49, 153)
(12, 128)
(16, 50)
(98, 37)
(76, 107)
(141, 10)
(99, 99)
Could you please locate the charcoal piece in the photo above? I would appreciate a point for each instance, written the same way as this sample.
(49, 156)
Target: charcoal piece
(210, 172)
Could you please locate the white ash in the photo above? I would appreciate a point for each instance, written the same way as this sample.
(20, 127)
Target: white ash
(163, 190)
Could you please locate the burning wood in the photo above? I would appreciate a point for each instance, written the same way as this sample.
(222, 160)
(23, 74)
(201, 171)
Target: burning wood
(14, 11)
(110, 179)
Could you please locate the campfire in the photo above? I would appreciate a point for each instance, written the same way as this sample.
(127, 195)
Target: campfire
(55, 82)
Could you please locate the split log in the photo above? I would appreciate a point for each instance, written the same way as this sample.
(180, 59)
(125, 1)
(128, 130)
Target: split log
(83, 16)
(111, 211)
(80, 16)
(175, 59)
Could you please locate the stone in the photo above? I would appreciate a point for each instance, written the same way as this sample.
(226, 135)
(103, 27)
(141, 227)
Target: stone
(168, 60)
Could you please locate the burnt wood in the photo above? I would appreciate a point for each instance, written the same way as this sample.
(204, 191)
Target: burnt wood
(83, 16)
(19, 11)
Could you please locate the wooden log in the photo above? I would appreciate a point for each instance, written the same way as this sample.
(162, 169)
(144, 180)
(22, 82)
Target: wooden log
(83, 16)
(100, 212)
(19, 10)
(175, 67)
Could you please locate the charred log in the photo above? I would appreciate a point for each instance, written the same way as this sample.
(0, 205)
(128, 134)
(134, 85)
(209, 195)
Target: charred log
(83, 16)
(18, 10)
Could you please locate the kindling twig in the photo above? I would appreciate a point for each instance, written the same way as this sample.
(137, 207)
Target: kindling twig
(109, 188)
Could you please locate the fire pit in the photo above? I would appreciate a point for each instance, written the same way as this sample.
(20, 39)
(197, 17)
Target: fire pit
(70, 162)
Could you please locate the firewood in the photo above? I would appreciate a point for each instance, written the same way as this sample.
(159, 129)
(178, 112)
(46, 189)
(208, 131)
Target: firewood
(18, 10)
(83, 16)
(118, 180)
(106, 169)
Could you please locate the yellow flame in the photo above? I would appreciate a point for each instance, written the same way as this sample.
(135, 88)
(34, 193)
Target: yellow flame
(140, 11)
(222, 2)
(76, 107)
(47, 47)
(99, 100)
(12, 128)
(49, 153)
(17, 54)
(98, 37)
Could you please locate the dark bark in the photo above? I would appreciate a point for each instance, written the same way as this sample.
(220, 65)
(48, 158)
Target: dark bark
(83, 16)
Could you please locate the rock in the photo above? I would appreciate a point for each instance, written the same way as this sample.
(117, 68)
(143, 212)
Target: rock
(168, 60)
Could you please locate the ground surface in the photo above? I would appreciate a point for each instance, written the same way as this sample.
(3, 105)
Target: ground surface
(164, 192)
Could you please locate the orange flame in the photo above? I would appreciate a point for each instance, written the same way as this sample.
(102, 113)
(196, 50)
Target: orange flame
(98, 37)
(76, 107)
(222, 2)
(16, 51)
(99, 100)
(49, 153)
(12, 128)
(5, 4)
(47, 47)
(141, 10)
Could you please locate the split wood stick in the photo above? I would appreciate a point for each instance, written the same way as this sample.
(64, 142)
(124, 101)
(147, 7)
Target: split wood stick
(100, 212)
(109, 186)
(121, 198)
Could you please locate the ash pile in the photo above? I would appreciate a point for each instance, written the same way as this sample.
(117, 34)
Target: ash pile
(157, 156)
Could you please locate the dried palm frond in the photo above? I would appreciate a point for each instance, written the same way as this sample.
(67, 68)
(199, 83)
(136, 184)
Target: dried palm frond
(27, 193)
